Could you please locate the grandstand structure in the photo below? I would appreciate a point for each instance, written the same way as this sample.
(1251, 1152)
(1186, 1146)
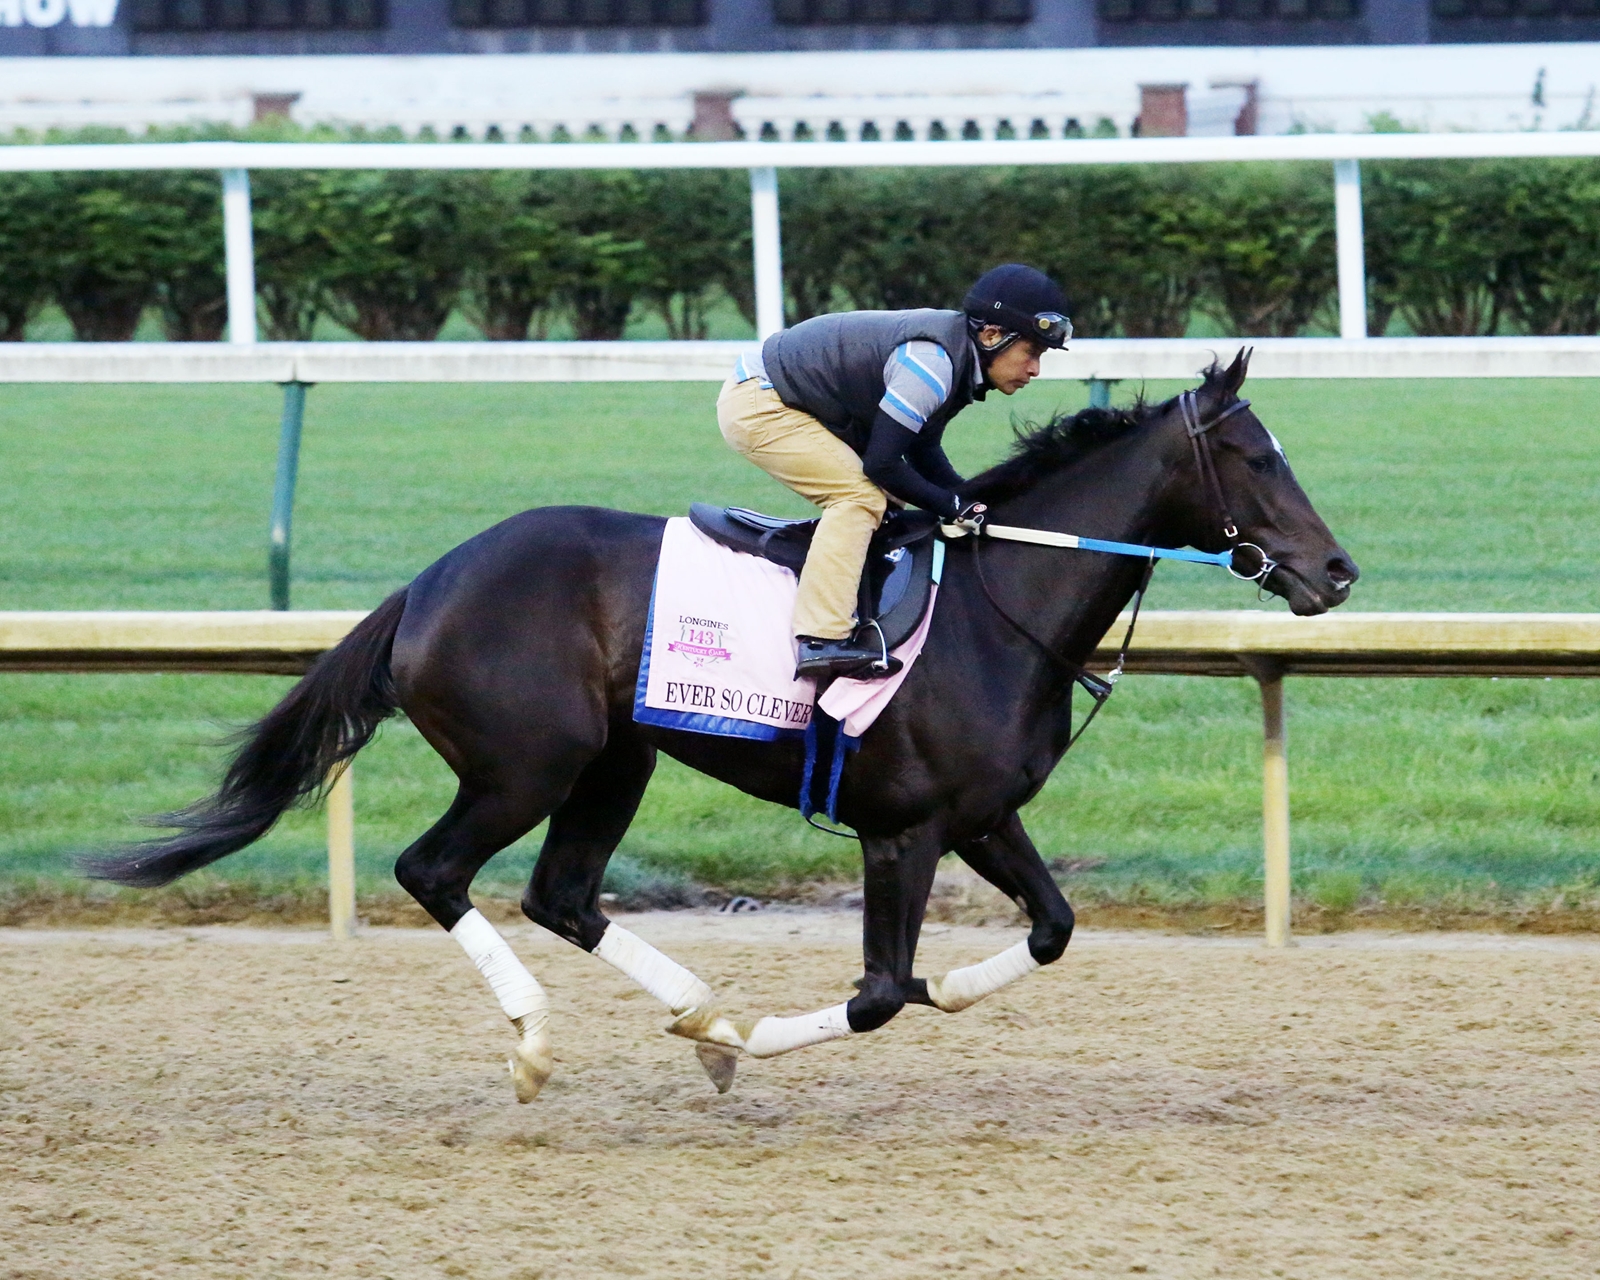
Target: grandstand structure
(845, 96)
(625, 70)
(111, 27)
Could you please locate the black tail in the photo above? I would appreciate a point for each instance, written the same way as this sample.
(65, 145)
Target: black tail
(285, 758)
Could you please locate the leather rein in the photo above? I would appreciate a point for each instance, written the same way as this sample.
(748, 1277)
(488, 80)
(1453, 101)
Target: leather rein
(1097, 687)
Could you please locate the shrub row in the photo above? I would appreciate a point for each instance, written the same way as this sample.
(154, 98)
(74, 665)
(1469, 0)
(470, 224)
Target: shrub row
(1452, 248)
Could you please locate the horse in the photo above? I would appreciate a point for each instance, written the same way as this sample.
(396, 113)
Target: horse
(516, 656)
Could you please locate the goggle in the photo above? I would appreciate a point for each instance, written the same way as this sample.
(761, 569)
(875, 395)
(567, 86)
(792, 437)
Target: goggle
(1047, 328)
(1051, 327)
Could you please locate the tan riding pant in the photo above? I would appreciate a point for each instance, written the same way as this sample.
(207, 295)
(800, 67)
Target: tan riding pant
(795, 449)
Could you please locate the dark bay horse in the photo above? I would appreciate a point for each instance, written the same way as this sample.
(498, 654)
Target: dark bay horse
(517, 653)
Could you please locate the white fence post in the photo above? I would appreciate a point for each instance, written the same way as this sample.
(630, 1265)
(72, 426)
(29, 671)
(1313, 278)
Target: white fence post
(239, 255)
(342, 854)
(1351, 249)
(1275, 810)
(767, 242)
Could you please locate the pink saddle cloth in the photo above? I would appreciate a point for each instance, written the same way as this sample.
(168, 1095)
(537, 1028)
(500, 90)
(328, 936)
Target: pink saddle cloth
(719, 654)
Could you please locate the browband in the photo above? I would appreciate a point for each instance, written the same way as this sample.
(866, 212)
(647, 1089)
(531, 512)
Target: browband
(1188, 405)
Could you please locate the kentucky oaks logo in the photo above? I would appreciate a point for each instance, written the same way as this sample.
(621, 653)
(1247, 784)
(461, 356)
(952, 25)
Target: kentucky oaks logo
(702, 640)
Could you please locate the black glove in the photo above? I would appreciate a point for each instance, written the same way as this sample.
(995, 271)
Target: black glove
(970, 515)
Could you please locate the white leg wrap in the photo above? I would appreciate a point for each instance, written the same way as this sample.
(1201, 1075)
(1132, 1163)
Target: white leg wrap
(522, 998)
(962, 987)
(665, 979)
(772, 1036)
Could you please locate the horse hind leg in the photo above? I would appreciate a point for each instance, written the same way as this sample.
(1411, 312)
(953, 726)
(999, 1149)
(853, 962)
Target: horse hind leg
(564, 896)
(438, 869)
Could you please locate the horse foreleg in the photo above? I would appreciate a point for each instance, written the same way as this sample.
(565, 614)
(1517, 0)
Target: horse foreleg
(898, 877)
(1007, 859)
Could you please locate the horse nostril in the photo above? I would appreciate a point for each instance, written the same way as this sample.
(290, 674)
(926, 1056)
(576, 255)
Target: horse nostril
(1342, 571)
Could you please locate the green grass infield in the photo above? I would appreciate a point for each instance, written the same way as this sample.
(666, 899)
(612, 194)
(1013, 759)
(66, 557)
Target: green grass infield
(1455, 799)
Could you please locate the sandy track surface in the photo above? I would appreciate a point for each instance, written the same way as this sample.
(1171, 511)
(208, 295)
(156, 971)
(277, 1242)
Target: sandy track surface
(235, 1102)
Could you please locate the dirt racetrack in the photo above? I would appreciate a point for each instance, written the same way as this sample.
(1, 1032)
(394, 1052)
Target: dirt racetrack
(199, 1103)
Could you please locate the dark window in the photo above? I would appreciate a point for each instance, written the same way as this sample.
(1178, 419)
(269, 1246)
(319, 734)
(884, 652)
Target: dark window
(1252, 10)
(258, 15)
(1516, 8)
(577, 13)
(886, 13)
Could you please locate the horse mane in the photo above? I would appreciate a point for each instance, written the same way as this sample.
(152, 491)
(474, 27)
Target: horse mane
(1040, 451)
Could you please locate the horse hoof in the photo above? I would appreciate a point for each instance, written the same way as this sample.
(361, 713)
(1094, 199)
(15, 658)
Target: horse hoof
(531, 1065)
(719, 1064)
(709, 1027)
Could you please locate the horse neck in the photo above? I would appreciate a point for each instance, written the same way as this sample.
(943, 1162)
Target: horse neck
(1119, 492)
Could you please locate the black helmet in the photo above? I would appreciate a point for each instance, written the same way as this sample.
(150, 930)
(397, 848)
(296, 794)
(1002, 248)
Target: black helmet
(1021, 301)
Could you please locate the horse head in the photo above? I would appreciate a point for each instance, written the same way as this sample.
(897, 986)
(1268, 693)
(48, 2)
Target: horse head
(1233, 487)
(1199, 469)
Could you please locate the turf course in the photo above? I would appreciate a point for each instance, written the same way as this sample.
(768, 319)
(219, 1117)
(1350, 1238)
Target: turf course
(1434, 794)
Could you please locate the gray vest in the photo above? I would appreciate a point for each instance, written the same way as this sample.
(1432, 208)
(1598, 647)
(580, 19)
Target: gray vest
(832, 366)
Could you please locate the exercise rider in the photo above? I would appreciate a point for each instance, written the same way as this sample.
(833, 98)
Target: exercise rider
(848, 410)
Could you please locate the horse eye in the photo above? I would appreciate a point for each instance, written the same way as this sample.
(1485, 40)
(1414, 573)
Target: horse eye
(1262, 465)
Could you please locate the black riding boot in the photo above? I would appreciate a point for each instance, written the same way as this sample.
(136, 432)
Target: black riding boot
(847, 657)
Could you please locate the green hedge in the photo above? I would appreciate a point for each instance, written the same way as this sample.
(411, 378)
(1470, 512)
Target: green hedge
(1466, 247)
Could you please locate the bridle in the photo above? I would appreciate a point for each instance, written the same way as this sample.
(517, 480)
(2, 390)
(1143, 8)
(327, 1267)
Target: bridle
(1199, 430)
(1098, 688)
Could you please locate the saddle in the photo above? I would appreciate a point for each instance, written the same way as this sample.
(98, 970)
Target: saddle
(896, 582)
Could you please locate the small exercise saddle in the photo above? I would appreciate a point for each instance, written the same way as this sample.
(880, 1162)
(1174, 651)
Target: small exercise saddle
(896, 583)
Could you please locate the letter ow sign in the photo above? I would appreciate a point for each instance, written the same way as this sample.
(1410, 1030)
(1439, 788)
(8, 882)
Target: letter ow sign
(50, 13)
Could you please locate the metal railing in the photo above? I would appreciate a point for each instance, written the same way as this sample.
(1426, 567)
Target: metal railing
(1097, 363)
(235, 159)
(1265, 646)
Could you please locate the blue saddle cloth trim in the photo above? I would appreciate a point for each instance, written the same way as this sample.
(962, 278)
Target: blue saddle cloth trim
(823, 725)
(693, 721)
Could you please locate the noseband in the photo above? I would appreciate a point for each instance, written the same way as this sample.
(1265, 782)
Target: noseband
(1200, 441)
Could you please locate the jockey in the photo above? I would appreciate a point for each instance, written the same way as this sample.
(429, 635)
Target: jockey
(849, 409)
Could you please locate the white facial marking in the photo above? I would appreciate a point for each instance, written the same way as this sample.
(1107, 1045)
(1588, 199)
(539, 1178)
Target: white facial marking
(1276, 445)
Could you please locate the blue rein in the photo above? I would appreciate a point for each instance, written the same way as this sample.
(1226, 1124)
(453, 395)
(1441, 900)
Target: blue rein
(1071, 541)
(1224, 558)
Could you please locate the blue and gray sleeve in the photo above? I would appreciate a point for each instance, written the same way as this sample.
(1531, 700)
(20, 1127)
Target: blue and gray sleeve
(898, 458)
(916, 381)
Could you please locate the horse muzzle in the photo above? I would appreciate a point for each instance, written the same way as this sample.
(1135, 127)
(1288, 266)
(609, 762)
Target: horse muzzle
(1311, 591)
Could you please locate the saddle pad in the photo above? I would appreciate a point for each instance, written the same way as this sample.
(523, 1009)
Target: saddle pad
(719, 653)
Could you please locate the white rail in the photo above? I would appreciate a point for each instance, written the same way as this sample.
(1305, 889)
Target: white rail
(1265, 646)
(1106, 359)
(792, 155)
(763, 159)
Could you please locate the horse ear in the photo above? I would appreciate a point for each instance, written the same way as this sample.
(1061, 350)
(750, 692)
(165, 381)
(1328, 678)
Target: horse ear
(1234, 378)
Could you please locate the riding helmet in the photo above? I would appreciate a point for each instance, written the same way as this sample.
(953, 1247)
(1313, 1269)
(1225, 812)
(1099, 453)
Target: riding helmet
(1020, 300)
